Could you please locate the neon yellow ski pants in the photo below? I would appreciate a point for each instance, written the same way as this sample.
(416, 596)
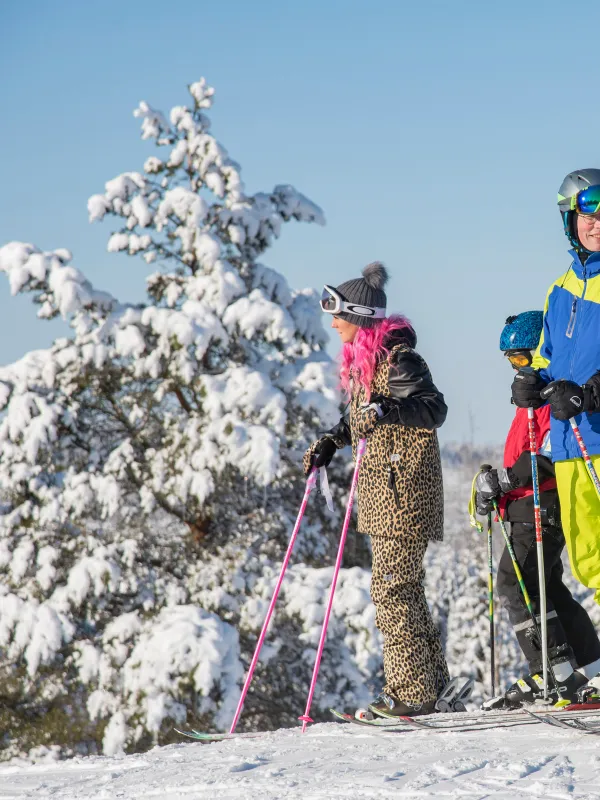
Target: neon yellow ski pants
(580, 515)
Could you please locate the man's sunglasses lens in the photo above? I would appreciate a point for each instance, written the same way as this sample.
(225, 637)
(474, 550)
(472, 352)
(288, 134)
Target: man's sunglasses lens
(588, 201)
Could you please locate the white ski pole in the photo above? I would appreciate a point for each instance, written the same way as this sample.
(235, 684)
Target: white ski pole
(539, 546)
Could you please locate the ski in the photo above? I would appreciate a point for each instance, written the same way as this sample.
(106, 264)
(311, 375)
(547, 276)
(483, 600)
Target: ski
(586, 727)
(219, 737)
(378, 722)
(570, 725)
(481, 720)
(437, 722)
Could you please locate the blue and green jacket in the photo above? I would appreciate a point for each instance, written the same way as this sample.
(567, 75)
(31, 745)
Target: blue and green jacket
(569, 347)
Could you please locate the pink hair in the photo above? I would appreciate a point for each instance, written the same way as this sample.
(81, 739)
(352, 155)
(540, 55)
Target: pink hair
(359, 358)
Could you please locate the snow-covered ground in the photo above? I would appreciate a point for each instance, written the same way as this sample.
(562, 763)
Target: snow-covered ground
(332, 761)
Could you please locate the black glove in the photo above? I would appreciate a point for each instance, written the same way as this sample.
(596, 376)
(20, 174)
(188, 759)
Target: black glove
(526, 388)
(487, 485)
(507, 480)
(491, 485)
(565, 398)
(591, 394)
(319, 454)
(483, 506)
(487, 489)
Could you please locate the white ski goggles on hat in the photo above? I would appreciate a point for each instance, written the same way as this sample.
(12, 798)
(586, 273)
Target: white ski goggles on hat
(332, 303)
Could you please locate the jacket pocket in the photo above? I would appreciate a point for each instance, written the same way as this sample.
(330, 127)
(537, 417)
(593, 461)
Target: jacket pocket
(392, 480)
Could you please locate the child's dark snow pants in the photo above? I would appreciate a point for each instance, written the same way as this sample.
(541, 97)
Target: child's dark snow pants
(571, 634)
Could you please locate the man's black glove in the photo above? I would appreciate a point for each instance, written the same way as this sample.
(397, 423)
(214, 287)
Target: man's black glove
(526, 388)
(591, 394)
(565, 398)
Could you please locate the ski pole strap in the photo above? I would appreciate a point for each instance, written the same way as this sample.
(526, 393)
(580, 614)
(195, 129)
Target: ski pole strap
(324, 486)
(472, 518)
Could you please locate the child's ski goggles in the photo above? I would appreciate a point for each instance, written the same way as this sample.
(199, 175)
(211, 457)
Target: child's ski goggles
(519, 358)
(587, 201)
(333, 303)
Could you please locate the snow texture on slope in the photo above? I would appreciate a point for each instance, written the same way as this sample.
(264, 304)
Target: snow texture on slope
(331, 761)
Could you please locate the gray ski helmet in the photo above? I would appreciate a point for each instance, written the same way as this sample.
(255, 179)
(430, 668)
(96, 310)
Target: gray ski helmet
(574, 183)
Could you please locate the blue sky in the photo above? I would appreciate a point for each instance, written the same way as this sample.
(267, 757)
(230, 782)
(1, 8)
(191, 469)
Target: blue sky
(434, 135)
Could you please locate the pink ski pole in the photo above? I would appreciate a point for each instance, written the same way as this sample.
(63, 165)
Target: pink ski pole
(360, 451)
(310, 485)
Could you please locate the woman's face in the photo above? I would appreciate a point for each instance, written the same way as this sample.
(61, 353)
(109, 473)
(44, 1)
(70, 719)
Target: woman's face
(346, 330)
(588, 231)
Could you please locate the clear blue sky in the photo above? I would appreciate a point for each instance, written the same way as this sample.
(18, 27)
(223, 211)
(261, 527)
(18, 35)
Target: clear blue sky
(433, 134)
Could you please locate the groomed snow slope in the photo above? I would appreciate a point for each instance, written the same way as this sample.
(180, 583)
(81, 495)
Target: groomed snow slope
(332, 761)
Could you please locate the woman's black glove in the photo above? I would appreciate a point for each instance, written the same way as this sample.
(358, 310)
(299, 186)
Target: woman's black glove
(565, 399)
(526, 388)
(319, 454)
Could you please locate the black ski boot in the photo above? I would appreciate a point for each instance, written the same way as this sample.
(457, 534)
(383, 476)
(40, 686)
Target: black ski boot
(387, 706)
(590, 691)
(530, 690)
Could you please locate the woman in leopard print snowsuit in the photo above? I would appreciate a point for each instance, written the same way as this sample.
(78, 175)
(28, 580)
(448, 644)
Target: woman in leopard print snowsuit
(396, 406)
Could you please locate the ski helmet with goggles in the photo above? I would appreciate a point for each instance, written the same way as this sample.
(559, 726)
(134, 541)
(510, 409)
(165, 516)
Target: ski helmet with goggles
(360, 301)
(578, 193)
(520, 335)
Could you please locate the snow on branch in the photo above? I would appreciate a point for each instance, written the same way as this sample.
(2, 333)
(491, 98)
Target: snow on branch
(59, 288)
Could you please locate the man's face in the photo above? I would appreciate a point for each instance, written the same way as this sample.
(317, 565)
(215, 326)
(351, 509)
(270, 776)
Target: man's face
(588, 231)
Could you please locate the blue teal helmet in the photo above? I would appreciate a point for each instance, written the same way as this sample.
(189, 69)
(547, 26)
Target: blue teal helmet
(522, 332)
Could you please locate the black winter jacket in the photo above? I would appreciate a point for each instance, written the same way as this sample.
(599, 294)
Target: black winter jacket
(414, 399)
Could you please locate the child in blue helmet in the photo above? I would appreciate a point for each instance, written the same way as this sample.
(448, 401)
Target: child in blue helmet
(572, 639)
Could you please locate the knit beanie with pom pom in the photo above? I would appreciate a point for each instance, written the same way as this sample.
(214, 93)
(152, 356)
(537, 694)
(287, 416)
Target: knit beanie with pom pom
(365, 291)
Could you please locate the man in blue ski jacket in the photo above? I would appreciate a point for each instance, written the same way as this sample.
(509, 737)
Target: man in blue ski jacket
(566, 374)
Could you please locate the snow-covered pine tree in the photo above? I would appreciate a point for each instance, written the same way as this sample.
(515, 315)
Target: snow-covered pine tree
(149, 468)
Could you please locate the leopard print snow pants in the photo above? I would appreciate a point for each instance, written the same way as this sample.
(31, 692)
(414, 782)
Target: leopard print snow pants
(413, 659)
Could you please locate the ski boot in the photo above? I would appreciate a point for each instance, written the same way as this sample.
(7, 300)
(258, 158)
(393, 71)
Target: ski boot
(387, 706)
(530, 689)
(496, 703)
(590, 692)
(454, 695)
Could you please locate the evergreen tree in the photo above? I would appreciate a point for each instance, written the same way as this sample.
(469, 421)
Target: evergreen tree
(149, 462)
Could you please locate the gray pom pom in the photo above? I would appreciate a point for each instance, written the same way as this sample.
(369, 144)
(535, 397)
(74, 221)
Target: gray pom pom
(376, 275)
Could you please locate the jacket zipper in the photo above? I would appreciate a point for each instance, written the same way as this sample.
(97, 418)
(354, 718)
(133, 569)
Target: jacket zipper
(573, 330)
(392, 479)
(572, 318)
